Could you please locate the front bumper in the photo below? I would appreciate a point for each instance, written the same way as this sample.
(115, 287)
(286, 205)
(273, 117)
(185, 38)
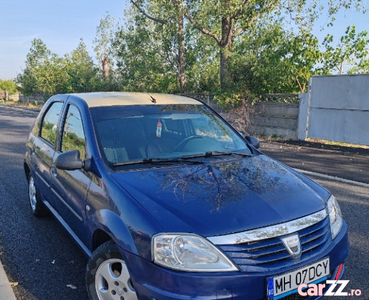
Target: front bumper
(153, 282)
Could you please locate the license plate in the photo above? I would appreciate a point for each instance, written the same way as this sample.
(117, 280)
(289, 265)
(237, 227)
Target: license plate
(286, 284)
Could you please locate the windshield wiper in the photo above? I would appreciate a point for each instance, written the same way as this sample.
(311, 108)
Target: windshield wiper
(156, 161)
(184, 158)
(216, 153)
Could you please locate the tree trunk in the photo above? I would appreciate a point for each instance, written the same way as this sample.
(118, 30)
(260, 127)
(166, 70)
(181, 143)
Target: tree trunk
(105, 66)
(226, 46)
(225, 74)
(181, 51)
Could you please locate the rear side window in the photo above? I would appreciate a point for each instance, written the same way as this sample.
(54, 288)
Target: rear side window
(50, 121)
(73, 133)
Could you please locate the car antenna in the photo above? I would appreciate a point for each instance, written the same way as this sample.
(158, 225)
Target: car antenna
(153, 100)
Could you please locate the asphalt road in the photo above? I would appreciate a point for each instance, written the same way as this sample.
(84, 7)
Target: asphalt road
(43, 263)
(338, 161)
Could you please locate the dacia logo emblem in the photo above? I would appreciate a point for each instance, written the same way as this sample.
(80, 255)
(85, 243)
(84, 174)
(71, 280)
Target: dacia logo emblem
(293, 245)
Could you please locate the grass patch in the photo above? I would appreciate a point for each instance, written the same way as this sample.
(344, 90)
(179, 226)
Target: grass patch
(34, 105)
(333, 143)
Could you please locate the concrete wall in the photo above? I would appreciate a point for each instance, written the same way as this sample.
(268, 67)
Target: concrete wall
(264, 118)
(275, 119)
(33, 98)
(336, 108)
(302, 130)
(19, 97)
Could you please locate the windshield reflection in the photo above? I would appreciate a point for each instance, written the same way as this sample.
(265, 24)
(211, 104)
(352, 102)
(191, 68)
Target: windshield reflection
(143, 133)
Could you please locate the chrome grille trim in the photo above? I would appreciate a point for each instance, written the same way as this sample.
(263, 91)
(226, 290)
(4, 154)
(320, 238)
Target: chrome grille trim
(270, 231)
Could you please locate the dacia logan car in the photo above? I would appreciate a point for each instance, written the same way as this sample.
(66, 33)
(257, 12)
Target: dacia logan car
(170, 202)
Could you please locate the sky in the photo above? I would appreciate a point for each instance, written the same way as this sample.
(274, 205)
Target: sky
(60, 24)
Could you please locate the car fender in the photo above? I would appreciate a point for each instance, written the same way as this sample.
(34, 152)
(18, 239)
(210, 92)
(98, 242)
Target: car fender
(112, 224)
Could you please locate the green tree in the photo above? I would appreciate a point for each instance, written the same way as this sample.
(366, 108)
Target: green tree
(362, 67)
(274, 60)
(104, 36)
(143, 60)
(169, 16)
(202, 63)
(107, 78)
(227, 45)
(45, 72)
(350, 50)
(226, 20)
(81, 69)
(36, 57)
(8, 86)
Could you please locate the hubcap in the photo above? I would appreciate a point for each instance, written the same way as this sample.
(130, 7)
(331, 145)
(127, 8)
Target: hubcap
(113, 281)
(32, 193)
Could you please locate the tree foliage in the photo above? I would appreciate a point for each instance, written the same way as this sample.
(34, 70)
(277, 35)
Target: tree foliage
(169, 16)
(80, 69)
(104, 35)
(49, 74)
(248, 44)
(351, 50)
(231, 48)
(8, 86)
(226, 20)
(275, 60)
(144, 62)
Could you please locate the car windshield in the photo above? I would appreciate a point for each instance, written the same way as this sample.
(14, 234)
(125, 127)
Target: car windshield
(127, 134)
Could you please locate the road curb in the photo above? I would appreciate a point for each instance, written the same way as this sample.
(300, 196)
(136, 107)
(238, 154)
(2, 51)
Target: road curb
(6, 291)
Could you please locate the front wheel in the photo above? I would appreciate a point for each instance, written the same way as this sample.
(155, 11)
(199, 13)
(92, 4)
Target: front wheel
(107, 275)
(37, 206)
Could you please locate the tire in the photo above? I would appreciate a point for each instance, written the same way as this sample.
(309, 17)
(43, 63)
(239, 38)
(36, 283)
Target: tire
(38, 208)
(107, 275)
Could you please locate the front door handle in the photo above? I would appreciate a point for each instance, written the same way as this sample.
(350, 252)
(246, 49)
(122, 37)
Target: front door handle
(54, 171)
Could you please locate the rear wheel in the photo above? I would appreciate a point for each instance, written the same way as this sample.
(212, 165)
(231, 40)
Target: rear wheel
(37, 206)
(107, 275)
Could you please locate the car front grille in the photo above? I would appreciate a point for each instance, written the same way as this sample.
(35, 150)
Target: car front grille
(269, 254)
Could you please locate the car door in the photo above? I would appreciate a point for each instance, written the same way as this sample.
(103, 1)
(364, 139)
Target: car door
(71, 187)
(43, 147)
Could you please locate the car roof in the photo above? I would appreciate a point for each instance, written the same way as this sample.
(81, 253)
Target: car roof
(127, 98)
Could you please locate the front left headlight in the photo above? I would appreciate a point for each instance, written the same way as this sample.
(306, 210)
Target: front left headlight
(335, 216)
(189, 252)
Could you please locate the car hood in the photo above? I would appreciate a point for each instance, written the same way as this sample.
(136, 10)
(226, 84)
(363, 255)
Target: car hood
(223, 196)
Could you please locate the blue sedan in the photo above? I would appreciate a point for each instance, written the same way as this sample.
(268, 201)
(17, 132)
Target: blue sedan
(170, 202)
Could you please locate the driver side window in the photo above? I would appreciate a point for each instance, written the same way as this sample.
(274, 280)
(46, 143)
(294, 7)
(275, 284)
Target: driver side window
(73, 133)
(49, 124)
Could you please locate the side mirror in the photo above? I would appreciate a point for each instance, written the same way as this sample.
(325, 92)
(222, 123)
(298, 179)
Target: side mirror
(69, 160)
(253, 141)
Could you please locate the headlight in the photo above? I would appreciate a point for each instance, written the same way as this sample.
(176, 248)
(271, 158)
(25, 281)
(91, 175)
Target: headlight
(189, 252)
(335, 216)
